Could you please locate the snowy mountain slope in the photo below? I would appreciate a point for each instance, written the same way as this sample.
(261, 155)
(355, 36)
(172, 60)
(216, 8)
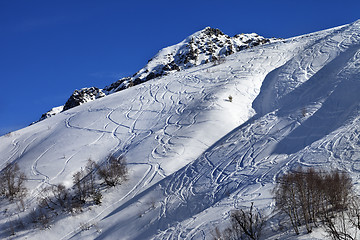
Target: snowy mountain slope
(207, 45)
(248, 159)
(192, 154)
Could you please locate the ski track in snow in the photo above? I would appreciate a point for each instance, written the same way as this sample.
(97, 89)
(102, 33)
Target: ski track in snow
(232, 168)
(252, 168)
(186, 89)
(257, 169)
(181, 107)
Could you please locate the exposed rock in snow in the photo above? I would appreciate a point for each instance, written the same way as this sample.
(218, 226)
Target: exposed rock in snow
(77, 98)
(52, 112)
(82, 96)
(207, 45)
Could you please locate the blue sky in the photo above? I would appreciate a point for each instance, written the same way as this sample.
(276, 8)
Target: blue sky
(50, 48)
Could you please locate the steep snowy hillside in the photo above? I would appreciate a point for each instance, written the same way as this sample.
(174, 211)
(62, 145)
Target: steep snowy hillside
(207, 45)
(193, 153)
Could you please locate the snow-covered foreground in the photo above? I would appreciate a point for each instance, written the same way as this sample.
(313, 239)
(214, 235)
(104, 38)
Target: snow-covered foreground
(192, 154)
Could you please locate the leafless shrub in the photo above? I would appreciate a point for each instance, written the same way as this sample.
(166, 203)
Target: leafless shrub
(85, 184)
(246, 224)
(354, 212)
(81, 187)
(338, 189)
(309, 197)
(97, 197)
(12, 182)
(86, 190)
(90, 178)
(55, 197)
(338, 226)
(61, 195)
(41, 217)
(114, 171)
(344, 223)
(216, 233)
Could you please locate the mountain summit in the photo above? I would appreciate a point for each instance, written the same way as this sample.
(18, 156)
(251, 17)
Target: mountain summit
(207, 45)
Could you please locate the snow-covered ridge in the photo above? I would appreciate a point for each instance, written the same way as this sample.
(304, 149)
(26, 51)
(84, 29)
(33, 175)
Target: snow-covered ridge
(207, 45)
(193, 155)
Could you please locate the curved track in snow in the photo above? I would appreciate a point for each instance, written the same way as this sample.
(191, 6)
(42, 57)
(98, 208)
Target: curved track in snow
(192, 154)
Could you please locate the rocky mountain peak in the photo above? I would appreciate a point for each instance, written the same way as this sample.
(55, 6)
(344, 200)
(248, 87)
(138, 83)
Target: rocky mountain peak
(212, 31)
(207, 45)
(82, 96)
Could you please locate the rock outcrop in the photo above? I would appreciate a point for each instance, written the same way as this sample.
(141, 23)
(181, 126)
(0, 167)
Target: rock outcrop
(207, 45)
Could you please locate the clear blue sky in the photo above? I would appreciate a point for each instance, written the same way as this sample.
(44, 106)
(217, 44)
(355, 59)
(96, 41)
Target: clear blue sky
(49, 48)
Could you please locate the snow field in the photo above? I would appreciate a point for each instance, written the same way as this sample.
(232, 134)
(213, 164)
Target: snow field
(192, 154)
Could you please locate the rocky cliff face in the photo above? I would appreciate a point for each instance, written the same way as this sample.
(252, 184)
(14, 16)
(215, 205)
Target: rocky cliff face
(207, 45)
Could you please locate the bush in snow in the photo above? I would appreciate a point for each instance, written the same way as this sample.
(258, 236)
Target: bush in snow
(55, 196)
(344, 224)
(12, 182)
(86, 190)
(114, 171)
(310, 198)
(246, 223)
(81, 187)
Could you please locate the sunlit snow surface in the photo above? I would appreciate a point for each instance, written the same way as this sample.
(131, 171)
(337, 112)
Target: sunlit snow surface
(192, 154)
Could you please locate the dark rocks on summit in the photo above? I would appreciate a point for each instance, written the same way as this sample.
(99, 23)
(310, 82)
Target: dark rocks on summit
(82, 96)
(207, 45)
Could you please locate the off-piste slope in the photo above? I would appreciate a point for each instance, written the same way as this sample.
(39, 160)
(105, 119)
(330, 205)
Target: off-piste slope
(192, 154)
(307, 115)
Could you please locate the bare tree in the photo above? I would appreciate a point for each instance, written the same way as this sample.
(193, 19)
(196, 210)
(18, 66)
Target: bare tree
(85, 180)
(338, 189)
(81, 187)
(90, 178)
(311, 197)
(286, 201)
(12, 182)
(55, 196)
(246, 224)
(354, 212)
(41, 217)
(114, 171)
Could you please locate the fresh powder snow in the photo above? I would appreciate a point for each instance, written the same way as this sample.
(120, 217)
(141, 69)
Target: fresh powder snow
(192, 154)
